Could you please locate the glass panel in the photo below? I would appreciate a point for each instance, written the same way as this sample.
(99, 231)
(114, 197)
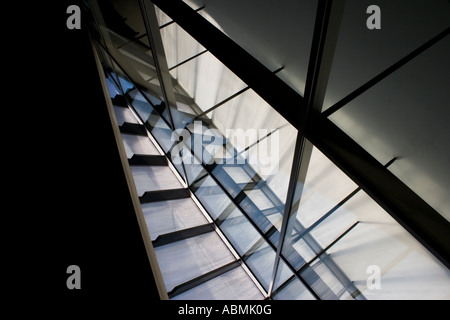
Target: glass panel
(385, 121)
(121, 82)
(238, 230)
(233, 285)
(187, 259)
(255, 165)
(124, 115)
(162, 17)
(211, 196)
(315, 222)
(178, 44)
(262, 32)
(325, 186)
(264, 204)
(160, 129)
(203, 141)
(238, 174)
(112, 88)
(284, 273)
(140, 104)
(206, 80)
(256, 215)
(139, 59)
(168, 216)
(259, 188)
(323, 281)
(264, 141)
(332, 227)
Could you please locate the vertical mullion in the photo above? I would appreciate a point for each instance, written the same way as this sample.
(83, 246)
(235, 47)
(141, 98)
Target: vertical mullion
(300, 163)
(326, 29)
(162, 69)
(155, 41)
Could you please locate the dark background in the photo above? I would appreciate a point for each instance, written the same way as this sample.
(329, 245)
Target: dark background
(73, 204)
(68, 195)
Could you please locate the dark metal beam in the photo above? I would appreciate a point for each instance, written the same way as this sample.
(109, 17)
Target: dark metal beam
(119, 101)
(171, 22)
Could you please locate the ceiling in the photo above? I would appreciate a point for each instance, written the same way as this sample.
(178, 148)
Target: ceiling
(406, 115)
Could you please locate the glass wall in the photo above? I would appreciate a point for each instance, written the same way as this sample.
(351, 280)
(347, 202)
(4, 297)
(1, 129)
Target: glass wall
(232, 154)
